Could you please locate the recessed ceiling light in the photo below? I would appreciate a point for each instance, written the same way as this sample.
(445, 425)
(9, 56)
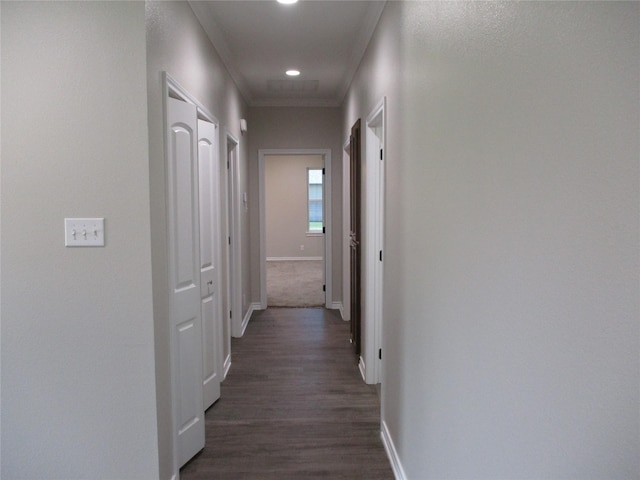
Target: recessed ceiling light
(293, 73)
(287, 2)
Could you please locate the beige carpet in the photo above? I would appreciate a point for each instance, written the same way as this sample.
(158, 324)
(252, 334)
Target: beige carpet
(295, 283)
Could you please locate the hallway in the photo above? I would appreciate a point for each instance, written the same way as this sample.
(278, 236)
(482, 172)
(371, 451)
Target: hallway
(293, 406)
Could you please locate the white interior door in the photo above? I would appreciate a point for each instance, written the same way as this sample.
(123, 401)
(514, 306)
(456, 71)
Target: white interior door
(209, 270)
(184, 278)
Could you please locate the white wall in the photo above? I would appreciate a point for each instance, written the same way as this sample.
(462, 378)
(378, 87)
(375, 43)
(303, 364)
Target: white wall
(177, 44)
(78, 390)
(286, 206)
(296, 128)
(511, 331)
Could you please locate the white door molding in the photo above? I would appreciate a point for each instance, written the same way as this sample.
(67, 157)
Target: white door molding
(234, 243)
(374, 237)
(328, 271)
(346, 239)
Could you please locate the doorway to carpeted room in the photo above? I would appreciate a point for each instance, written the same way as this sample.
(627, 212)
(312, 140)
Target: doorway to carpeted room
(295, 283)
(294, 229)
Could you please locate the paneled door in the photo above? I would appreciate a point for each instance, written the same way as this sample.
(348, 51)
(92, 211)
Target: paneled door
(209, 270)
(355, 234)
(184, 279)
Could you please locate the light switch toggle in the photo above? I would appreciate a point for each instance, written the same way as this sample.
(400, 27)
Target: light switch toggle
(84, 232)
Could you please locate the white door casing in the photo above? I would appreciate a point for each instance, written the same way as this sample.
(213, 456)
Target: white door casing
(209, 254)
(184, 279)
(346, 238)
(234, 259)
(374, 251)
(326, 208)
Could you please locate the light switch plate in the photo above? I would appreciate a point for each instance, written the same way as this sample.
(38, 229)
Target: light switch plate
(84, 232)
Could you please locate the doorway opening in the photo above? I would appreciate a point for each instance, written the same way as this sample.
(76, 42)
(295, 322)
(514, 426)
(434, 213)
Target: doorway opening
(235, 321)
(371, 365)
(295, 219)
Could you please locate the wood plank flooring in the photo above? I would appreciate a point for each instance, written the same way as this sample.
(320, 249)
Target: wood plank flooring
(293, 406)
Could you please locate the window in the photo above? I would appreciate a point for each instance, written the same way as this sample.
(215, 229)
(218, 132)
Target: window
(314, 189)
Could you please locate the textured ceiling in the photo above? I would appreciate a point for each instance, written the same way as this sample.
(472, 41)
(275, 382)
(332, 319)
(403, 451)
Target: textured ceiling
(259, 40)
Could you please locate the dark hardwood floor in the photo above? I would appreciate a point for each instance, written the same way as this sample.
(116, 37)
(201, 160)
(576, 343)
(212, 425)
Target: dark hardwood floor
(293, 406)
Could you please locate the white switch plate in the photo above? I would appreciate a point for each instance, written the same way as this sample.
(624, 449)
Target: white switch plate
(84, 232)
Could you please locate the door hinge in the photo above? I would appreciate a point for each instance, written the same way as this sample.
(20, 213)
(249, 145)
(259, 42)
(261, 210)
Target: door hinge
(324, 288)
(229, 240)
(230, 314)
(323, 171)
(380, 255)
(324, 230)
(227, 164)
(380, 154)
(380, 354)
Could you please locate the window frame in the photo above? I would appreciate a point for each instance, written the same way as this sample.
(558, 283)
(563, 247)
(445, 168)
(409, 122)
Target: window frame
(310, 232)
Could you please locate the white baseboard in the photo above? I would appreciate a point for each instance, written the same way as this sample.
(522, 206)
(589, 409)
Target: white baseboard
(363, 369)
(343, 312)
(337, 306)
(390, 448)
(226, 366)
(292, 259)
(247, 317)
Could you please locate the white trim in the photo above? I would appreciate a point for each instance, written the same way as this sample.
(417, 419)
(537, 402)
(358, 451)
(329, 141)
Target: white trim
(392, 453)
(346, 231)
(234, 264)
(175, 90)
(326, 153)
(247, 316)
(292, 259)
(226, 366)
(343, 312)
(314, 233)
(338, 306)
(373, 244)
(166, 79)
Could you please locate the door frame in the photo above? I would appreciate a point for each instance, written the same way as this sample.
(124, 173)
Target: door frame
(356, 241)
(345, 308)
(234, 245)
(375, 159)
(326, 205)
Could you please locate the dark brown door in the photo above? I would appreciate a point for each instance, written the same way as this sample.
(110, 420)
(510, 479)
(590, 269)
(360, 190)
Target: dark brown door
(355, 158)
